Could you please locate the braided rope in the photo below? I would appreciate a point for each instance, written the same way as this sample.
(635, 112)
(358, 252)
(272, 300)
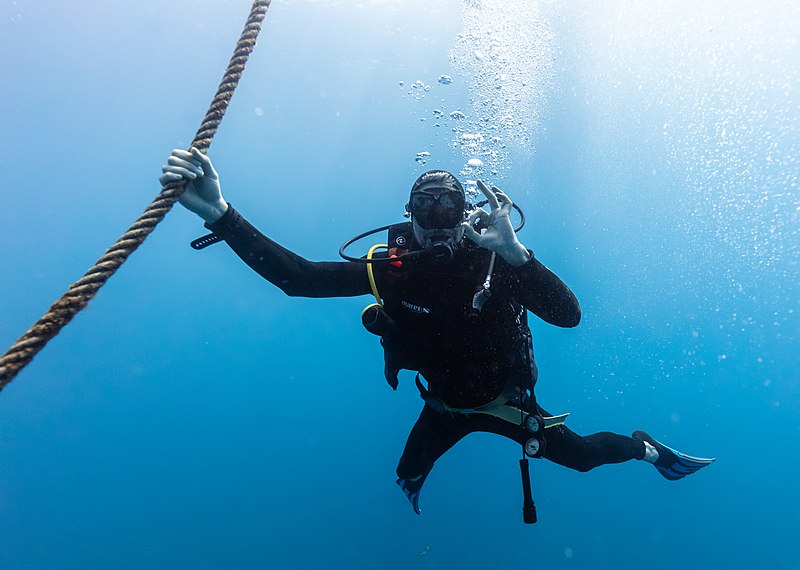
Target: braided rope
(82, 291)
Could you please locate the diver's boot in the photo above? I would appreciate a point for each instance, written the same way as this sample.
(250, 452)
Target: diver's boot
(412, 488)
(672, 464)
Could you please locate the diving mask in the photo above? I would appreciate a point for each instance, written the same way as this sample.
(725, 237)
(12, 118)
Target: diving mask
(437, 208)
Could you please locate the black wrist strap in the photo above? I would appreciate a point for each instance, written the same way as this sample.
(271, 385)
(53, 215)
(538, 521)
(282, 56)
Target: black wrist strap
(205, 241)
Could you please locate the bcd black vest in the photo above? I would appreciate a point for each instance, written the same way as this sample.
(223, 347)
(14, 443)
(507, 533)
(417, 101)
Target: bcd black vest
(468, 356)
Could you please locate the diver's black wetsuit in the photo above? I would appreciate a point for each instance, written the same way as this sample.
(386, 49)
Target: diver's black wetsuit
(467, 358)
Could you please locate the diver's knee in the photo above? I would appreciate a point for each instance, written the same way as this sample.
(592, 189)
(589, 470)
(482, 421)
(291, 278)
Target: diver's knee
(584, 466)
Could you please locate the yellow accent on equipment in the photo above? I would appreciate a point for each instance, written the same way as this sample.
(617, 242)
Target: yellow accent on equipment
(371, 275)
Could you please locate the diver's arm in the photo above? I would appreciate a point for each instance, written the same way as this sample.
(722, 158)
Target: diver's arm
(293, 274)
(544, 294)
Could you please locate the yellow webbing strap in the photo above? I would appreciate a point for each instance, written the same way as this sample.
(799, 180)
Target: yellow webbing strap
(500, 409)
(371, 274)
(512, 414)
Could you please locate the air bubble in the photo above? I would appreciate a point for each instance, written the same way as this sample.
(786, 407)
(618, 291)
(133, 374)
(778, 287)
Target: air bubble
(470, 138)
(508, 79)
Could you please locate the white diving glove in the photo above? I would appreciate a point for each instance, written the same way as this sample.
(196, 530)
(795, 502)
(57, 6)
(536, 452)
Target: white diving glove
(499, 235)
(202, 195)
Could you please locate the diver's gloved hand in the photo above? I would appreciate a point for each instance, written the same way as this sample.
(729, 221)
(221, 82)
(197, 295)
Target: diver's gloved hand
(499, 234)
(202, 195)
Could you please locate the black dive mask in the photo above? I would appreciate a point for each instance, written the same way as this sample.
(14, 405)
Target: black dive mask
(437, 208)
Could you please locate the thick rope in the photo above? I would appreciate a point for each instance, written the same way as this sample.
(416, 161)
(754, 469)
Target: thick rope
(82, 291)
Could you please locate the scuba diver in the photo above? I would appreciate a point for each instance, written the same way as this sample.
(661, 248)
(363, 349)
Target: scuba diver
(452, 292)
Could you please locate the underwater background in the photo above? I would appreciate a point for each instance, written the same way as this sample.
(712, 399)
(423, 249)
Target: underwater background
(193, 416)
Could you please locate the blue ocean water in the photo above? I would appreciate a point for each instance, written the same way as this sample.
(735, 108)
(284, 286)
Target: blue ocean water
(195, 417)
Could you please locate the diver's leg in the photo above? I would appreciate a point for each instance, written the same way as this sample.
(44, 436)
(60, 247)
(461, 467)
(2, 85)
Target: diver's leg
(562, 445)
(569, 449)
(432, 435)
